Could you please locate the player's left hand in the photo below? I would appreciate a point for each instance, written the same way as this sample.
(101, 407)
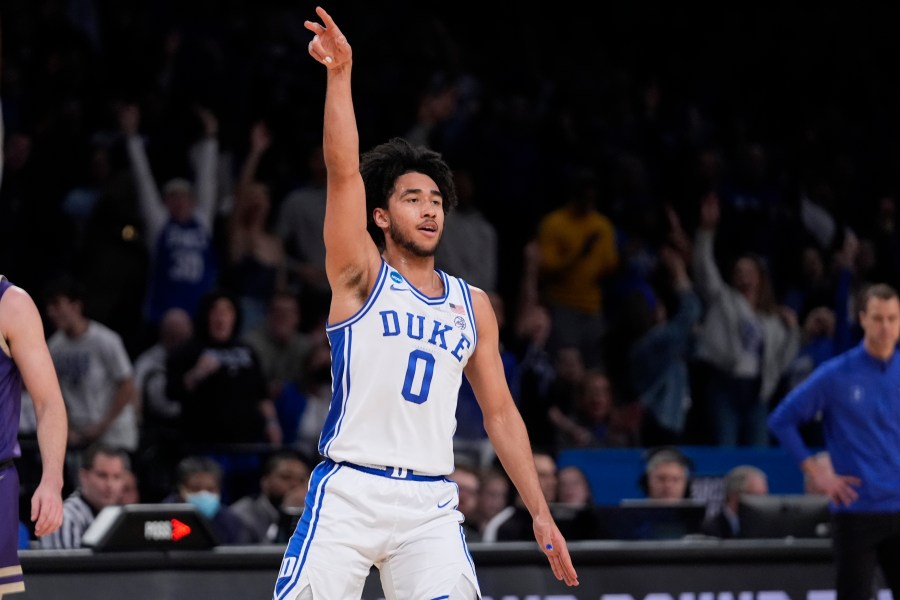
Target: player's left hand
(553, 545)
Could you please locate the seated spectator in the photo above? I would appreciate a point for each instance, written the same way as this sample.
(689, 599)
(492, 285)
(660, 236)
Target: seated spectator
(493, 497)
(666, 475)
(101, 480)
(740, 481)
(573, 488)
(160, 415)
(514, 523)
(199, 482)
(573, 509)
(131, 493)
(468, 483)
(264, 513)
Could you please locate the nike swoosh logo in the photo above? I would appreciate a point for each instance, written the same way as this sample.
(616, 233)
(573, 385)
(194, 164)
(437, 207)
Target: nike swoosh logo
(399, 289)
(445, 503)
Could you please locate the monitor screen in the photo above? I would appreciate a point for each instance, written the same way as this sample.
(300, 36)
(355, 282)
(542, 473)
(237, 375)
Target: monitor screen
(149, 527)
(787, 515)
(644, 519)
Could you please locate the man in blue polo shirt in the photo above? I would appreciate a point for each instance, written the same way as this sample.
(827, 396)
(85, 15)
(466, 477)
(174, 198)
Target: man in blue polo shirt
(857, 396)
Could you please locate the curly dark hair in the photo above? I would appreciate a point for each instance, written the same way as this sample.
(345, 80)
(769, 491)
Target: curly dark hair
(382, 165)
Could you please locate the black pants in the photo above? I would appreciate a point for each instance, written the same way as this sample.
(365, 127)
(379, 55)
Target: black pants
(863, 541)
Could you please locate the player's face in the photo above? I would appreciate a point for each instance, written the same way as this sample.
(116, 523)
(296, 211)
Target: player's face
(102, 484)
(416, 216)
(881, 323)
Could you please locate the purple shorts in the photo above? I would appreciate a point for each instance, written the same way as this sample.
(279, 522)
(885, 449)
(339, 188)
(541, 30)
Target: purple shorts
(11, 579)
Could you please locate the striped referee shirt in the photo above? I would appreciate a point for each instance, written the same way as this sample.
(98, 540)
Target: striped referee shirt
(77, 516)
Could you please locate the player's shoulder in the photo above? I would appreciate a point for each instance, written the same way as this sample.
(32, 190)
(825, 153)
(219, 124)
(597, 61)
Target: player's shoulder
(13, 299)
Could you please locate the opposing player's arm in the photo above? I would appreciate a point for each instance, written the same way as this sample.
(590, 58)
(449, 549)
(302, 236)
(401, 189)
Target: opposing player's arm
(351, 258)
(23, 333)
(509, 437)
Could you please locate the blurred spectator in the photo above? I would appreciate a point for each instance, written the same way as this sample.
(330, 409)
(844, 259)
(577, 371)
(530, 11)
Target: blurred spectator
(303, 405)
(300, 223)
(225, 405)
(468, 483)
(740, 481)
(573, 487)
(562, 397)
(577, 253)
(574, 506)
(198, 481)
(658, 361)
(101, 480)
(493, 497)
(218, 380)
(285, 475)
(817, 345)
(536, 371)
(279, 344)
(747, 340)
(667, 475)
(597, 420)
(514, 523)
(160, 429)
(178, 223)
(468, 247)
(95, 372)
(470, 436)
(131, 493)
(811, 286)
(256, 265)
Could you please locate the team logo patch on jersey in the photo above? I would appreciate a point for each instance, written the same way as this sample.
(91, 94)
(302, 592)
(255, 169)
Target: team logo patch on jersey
(459, 322)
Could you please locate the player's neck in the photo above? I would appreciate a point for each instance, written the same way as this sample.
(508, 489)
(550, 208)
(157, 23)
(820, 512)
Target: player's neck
(418, 270)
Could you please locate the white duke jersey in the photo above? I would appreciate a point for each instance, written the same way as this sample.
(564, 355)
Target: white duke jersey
(396, 368)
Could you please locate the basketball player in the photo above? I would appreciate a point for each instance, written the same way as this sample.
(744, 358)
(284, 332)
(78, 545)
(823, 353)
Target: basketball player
(25, 357)
(402, 334)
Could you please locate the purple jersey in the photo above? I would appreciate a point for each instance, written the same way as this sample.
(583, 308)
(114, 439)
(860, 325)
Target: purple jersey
(11, 579)
(10, 398)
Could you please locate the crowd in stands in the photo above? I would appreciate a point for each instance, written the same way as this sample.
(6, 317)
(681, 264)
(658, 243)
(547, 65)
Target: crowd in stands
(671, 239)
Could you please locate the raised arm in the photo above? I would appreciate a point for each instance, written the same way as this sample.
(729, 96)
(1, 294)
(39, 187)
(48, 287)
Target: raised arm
(23, 336)
(152, 210)
(509, 437)
(709, 281)
(205, 156)
(351, 258)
